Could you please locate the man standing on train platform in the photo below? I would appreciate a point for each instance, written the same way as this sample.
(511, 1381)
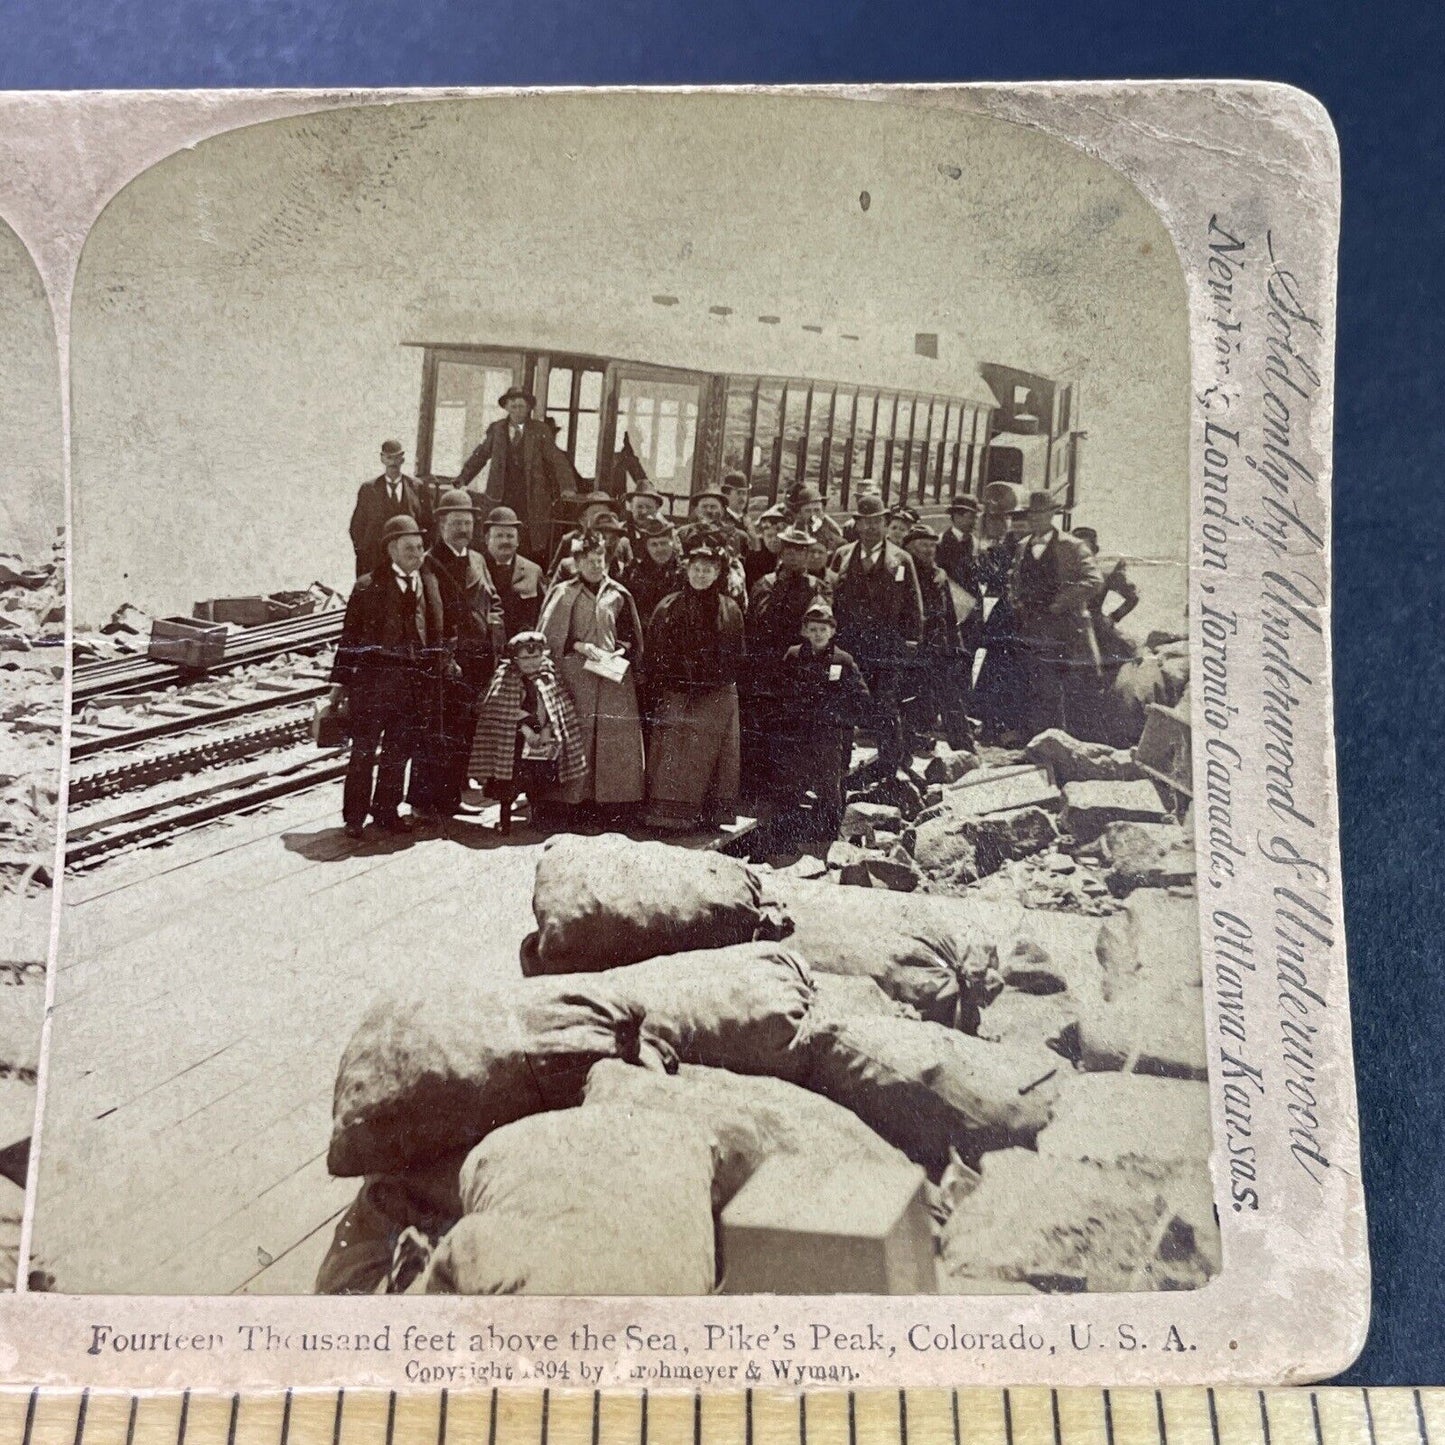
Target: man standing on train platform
(880, 621)
(517, 580)
(1053, 582)
(528, 472)
(940, 686)
(643, 503)
(392, 494)
(764, 557)
(387, 671)
(736, 497)
(474, 633)
(958, 555)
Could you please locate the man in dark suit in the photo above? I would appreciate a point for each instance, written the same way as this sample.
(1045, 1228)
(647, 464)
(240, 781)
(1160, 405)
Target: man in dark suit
(388, 666)
(517, 580)
(880, 619)
(473, 632)
(957, 555)
(392, 494)
(1051, 586)
(529, 474)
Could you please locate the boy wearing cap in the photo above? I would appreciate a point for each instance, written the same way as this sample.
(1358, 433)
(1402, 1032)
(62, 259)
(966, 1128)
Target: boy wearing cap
(528, 737)
(822, 698)
(528, 472)
(392, 494)
(387, 669)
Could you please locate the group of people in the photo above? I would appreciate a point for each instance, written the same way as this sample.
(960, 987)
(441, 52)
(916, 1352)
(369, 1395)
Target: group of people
(635, 666)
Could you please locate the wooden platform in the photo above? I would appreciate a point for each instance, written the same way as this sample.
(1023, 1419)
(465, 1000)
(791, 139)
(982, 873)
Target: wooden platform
(204, 994)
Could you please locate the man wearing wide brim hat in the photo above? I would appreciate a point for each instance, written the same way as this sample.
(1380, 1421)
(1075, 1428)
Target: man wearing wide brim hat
(474, 632)
(1051, 584)
(644, 501)
(805, 505)
(392, 494)
(528, 473)
(880, 620)
(388, 666)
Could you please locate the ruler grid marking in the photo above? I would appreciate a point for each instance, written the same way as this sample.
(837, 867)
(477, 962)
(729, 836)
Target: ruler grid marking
(597, 1418)
(80, 1417)
(336, 1422)
(1159, 1417)
(1264, 1418)
(802, 1419)
(1108, 1418)
(852, 1419)
(1008, 1419)
(1213, 1414)
(129, 1424)
(697, 1417)
(1369, 1416)
(644, 1417)
(491, 1423)
(957, 1428)
(231, 1423)
(30, 1416)
(1420, 1419)
(748, 1417)
(441, 1420)
(391, 1415)
(286, 1419)
(185, 1416)
(546, 1405)
(903, 1417)
(1315, 1413)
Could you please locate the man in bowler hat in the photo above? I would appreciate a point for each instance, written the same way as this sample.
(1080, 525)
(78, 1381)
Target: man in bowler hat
(474, 633)
(529, 474)
(392, 494)
(880, 620)
(388, 665)
(518, 580)
(1053, 581)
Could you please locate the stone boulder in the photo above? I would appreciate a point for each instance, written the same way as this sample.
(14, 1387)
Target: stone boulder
(1075, 761)
(1146, 855)
(1089, 808)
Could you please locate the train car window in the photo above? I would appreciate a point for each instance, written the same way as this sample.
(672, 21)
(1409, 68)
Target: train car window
(660, 416)
(466, 402)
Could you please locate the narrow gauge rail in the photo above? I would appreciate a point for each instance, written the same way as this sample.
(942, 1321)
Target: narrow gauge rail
(158, 822)
(93, 680)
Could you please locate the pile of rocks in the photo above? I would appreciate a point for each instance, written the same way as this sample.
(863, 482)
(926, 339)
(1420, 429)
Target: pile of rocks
(32, 683)
(1083, 880)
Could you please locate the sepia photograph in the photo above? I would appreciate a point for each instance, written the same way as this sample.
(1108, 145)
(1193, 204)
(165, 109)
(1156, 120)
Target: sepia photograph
(32, 701)
(630, 724)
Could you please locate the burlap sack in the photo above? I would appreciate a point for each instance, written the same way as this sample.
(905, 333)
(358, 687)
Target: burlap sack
(926, 952)
(748, 1119)
(606, 901)
(422, 1079)
(926, 1088)
(596, 1201)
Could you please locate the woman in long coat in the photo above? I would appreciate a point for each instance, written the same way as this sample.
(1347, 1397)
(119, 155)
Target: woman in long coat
(695, 653)
(591, 618)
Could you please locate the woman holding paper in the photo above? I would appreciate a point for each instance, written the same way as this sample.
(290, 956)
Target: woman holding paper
(595, 638)
(695, 640)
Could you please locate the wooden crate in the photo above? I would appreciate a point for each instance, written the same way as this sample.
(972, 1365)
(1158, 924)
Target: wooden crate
(187, 642)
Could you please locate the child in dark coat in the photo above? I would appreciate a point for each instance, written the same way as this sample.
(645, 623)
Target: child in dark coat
(823, 698)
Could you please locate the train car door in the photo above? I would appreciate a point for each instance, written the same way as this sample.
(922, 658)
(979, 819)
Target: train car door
(656, 411)
(460, 387)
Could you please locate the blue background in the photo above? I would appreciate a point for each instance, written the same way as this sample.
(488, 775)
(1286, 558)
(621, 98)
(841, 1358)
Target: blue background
(1377, 68)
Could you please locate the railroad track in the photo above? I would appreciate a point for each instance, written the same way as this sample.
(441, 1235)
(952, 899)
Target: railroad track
(124, 675)
(90, 842)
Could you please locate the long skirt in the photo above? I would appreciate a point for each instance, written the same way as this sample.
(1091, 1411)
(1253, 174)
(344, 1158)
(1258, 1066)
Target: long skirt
(692, 773)
(611, 729)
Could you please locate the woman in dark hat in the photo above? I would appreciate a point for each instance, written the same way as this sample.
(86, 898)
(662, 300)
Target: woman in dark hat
(695, 653)
(592, 629)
